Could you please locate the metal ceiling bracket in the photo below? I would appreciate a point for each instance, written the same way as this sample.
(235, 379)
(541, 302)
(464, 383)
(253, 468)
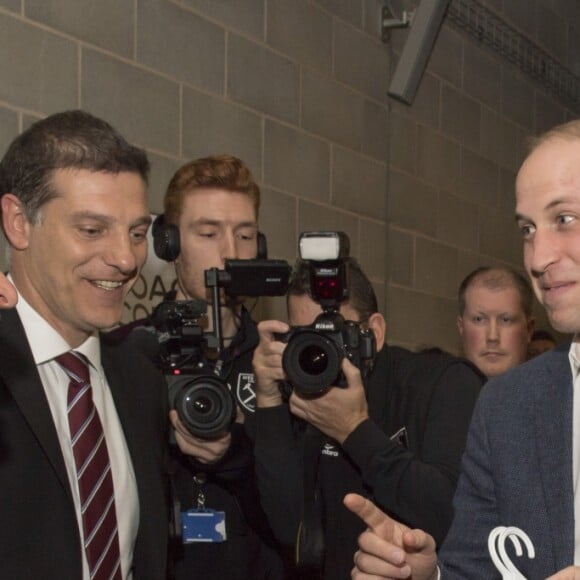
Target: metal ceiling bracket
(389, 21)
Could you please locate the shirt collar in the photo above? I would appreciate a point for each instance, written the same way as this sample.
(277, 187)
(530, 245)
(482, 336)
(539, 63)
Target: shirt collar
(574, 355)
(46, 343)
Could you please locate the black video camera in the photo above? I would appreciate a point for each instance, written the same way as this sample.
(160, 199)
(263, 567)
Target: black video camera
(312, 359)
(204, 402)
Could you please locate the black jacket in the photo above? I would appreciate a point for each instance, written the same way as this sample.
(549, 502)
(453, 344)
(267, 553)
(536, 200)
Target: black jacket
(406, 457)
(39, 535)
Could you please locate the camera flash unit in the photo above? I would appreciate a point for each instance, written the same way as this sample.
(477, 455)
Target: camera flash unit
(324, 246)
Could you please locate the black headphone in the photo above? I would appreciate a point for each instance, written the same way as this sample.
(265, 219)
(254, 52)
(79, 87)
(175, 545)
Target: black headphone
(167, 246)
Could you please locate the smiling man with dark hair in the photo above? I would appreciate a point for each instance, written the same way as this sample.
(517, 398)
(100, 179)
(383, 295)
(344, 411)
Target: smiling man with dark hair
(83, 422)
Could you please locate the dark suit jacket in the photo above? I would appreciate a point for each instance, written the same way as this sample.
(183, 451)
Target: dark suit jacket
(39, 537)
(517, 471)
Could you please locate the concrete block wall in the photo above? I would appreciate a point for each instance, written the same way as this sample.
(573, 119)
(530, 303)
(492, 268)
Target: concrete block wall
(296, 89)
(453, 159)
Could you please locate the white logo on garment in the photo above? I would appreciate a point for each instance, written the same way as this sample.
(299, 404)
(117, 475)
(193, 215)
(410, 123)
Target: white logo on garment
(245, 391)
(330, 450)
(401, 437)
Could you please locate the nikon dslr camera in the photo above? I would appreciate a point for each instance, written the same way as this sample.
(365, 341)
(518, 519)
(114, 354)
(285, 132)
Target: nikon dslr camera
(312, 359)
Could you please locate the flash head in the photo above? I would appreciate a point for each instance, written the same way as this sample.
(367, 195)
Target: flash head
(326, 254)
(324, 246)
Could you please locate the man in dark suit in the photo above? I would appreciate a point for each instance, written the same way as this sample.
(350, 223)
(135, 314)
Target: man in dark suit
(88, 501)
(521, 464)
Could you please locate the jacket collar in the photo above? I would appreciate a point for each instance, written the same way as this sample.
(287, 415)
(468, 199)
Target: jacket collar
(553, 432)
(20, 376)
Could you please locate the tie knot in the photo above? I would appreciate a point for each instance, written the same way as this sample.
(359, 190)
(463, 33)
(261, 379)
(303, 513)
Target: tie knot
(75, 366)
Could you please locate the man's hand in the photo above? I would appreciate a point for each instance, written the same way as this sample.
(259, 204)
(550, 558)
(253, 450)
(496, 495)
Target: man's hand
(388, 549)
(339, 411)
(570, 573)
(267, 363)
(204, 450)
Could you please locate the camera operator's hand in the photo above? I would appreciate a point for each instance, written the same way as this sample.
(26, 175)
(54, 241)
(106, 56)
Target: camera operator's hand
(204, 450)
(268, 363)
(339, 411)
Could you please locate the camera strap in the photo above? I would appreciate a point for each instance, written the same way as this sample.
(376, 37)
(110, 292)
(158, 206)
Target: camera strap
(199, 479)
(310, 539)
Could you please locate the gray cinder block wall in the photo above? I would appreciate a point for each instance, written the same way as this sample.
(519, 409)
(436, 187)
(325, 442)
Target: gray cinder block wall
(297, 88)
(453, 158)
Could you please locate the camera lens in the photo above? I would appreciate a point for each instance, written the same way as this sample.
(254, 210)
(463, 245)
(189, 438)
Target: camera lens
(312, 362)
(202, 405)
(205, 405)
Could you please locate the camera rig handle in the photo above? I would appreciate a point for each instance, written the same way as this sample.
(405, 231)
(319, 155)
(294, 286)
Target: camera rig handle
(213, 281)
(256, 277)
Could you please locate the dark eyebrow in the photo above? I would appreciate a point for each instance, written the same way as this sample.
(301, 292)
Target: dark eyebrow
(107, 219)
(144, 220)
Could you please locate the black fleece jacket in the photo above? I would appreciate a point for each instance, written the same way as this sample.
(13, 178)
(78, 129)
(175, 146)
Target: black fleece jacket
(406, 456)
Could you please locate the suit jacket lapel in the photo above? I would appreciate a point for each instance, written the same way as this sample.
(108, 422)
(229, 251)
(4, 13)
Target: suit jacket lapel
(554, 444)
(126, 397)
(18, 371)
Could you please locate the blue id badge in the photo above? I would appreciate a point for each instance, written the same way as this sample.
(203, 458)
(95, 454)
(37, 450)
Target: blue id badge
(203, 525)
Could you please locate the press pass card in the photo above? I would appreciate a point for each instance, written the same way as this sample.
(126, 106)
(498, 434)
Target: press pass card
(203, 525)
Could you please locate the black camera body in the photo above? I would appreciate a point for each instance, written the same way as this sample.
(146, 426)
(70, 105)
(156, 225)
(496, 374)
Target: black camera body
(313, 356)
(312, 359)
(204, 402)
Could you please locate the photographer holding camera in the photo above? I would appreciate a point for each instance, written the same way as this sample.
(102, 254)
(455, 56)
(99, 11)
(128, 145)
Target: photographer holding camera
(396, 436)
(211, 211)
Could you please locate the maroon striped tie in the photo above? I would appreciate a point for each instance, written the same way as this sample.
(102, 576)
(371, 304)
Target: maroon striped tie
(94, 477)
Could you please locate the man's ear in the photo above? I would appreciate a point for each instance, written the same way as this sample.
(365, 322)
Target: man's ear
(15, 222)
(378, 325)
(460, 325)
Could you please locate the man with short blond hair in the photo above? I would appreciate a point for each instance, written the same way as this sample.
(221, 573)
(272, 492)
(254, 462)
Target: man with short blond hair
(495, 319)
